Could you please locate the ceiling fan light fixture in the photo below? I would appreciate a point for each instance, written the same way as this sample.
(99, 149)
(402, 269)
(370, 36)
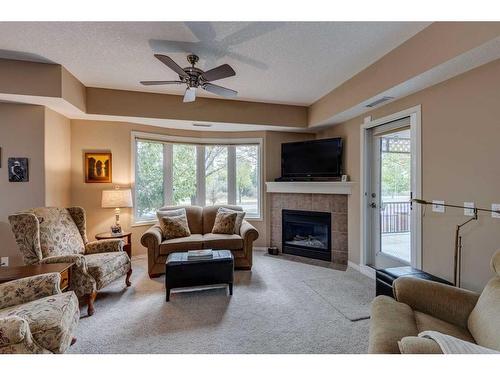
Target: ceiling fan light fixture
(189, 95)
(194, 77)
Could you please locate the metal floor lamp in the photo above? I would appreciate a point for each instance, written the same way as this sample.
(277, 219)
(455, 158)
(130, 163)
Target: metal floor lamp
(457, 264)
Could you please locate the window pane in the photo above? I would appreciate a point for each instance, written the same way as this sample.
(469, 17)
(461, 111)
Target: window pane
(148, 179)
(184, 174)
(216, 175)
(247, 179)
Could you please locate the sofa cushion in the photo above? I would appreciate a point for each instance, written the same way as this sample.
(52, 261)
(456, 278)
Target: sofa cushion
(102, 264)
(174, 227)
(427, 322)
(193, 242)
(209, 214)
(240, 215)
(51, 319)
(224, 223)
(169, 213)
(59, 234)
(222, 241)
(484, 320)
(194, 217)
(390, 322)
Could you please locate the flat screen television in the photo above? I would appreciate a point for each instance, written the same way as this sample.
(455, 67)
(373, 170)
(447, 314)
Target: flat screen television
(310, 159)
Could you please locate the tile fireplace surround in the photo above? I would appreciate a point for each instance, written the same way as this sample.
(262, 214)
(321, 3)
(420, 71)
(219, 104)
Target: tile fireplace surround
(336, 204)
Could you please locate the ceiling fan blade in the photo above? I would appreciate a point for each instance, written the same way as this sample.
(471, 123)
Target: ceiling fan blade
(204, 31)
(172, 65)
(152, 83)
(222, 71)
(189, 95)
(219, 90)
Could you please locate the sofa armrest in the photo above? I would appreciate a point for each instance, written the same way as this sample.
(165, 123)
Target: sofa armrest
(104, 246)
(418, 345)
(16, 337)
(13, 329)
(152, 237)
(77, 259)
(28, 289)
(445, 302)
(248, 232)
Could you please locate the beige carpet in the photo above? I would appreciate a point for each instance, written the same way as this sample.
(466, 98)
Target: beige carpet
(350, 292)
(272, 310)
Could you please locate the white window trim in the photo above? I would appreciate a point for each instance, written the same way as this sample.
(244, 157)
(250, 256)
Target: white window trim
(200, 142)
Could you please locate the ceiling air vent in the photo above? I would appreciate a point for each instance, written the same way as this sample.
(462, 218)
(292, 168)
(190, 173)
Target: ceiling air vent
(379, 101)
(203, 125)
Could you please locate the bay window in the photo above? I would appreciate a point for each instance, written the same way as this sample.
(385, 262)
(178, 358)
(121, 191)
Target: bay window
(190, 171)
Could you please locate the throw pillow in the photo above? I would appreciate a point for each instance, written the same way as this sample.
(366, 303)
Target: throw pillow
(224, 222)
(174, 227)
(240, 215)
(177, 212)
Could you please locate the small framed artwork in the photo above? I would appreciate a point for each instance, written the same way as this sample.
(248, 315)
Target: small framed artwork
(98, 167)
(18, 169)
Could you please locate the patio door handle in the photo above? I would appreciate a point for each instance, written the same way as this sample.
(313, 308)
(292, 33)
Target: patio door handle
(373, 205)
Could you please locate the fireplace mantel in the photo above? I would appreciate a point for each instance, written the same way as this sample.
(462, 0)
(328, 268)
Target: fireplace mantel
(310, 187)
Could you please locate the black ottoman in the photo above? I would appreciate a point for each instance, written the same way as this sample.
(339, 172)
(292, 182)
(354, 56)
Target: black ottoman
(385, 278)
(181, 272)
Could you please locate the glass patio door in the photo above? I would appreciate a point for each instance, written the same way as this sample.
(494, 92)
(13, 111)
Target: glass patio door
(390, 197)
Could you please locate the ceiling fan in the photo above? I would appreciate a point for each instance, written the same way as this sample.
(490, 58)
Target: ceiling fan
(194, 77)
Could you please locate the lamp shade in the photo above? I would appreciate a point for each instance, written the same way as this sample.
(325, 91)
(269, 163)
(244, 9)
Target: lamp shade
(116, 198)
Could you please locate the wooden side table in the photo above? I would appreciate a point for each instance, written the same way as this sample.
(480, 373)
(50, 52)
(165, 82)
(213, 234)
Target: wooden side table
(19, 272)
(124, 235)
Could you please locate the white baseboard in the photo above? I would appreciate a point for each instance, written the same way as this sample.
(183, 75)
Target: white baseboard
(353, 265)
(365, 270)
(260, 248)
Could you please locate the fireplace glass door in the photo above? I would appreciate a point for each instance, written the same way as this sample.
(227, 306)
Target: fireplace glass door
(307, 233)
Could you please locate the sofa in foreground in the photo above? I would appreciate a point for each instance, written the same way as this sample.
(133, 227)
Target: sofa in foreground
(36, 317)
(200, 221)
(422, 305)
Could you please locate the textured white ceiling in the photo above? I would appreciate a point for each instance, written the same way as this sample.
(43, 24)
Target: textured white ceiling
(285, 62)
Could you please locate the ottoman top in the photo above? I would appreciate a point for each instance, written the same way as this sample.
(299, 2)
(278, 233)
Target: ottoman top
(182, 258)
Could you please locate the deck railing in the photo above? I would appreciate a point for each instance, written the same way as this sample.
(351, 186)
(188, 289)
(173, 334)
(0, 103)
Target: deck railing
(395, 217)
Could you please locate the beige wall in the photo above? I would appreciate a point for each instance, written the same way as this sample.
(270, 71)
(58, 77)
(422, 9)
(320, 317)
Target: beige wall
(460, 162)
(436, 44)
(57, 139)
(21, 135)
(164, 106)
(116, 137)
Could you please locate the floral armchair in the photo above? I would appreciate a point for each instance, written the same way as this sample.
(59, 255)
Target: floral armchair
(58, 235)
(36, 317)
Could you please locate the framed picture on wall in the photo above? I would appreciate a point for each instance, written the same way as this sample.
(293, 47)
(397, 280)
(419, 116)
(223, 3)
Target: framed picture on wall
(98, 167)
(18, 169)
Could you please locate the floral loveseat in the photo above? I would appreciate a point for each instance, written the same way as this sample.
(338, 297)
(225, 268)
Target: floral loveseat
(35, 317)
(58, 235)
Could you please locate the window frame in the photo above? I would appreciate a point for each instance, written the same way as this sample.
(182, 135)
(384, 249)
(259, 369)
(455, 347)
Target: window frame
(162, 138)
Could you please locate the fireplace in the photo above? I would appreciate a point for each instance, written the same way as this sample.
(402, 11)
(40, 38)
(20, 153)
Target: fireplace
(307, 233)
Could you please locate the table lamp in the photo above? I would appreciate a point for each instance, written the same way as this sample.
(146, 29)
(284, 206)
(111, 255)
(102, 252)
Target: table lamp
(116, 199)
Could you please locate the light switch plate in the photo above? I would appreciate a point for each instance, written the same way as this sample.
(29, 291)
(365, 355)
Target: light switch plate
(470, 210)
(436, 206)
(495, 207)
(4, 261)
